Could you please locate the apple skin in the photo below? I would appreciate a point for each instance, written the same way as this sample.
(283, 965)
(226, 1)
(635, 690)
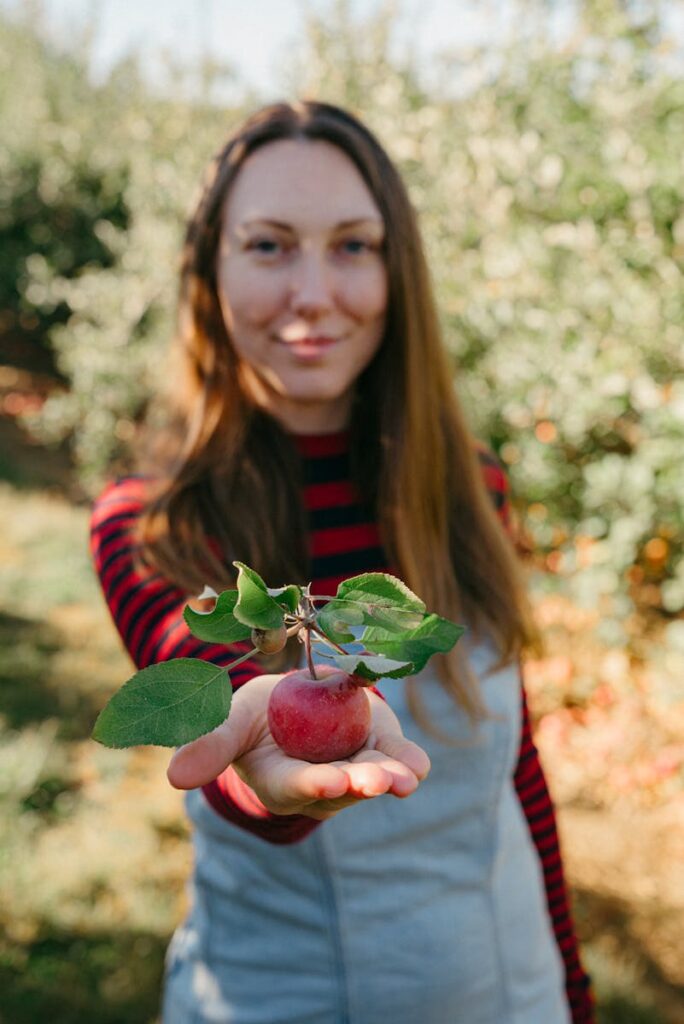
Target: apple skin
(269, 641)
(319, 720)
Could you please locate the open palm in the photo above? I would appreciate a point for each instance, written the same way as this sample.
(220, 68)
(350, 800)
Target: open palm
(388, 763)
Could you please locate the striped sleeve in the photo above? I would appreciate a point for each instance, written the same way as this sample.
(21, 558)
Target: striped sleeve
(530, 785)
(147, 611)
(535, 799)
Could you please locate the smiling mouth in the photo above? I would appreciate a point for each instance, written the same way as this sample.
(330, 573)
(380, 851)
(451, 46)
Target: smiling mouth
(312, 341)
(311, 348)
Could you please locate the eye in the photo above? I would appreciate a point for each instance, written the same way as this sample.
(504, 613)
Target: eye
(265, 246)
(355, 246)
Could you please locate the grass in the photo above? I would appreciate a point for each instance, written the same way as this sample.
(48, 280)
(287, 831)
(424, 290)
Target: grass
(106, 976)
(94, 848)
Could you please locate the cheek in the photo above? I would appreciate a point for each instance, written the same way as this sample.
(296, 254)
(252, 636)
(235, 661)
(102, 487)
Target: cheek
(250, 299)
(366, 297)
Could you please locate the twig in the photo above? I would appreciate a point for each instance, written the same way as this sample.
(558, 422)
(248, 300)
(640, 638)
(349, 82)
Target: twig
(327, 640)
(244, 657)
(309, 658)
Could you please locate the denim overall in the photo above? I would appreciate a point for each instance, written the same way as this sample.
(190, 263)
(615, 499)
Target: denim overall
(428, 910)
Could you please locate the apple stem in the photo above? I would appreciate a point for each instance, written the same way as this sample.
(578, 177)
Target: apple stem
(307, 618)
(309, 658)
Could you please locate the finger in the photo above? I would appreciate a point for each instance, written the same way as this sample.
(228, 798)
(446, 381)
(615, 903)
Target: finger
(401, 780)
(397, 747)
(368, 777)
(388, 737)
(200, 761)
(285, 782)
(362, 788)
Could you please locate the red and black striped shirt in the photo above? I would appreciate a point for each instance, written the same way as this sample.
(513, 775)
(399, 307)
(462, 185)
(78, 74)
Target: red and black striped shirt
(343, 540)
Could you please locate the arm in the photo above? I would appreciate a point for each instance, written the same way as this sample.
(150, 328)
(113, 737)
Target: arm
(532, 790)
(537, 806)
(148, 613)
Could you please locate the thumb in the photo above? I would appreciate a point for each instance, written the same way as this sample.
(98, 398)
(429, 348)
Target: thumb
(200, 761)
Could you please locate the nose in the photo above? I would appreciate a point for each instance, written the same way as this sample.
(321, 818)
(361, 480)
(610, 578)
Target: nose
(311, 289)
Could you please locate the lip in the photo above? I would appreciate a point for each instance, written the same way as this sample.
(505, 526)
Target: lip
(310, 339)
(311, 346)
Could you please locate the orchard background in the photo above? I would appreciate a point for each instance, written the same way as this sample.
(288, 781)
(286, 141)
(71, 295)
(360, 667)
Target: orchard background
(549, 177)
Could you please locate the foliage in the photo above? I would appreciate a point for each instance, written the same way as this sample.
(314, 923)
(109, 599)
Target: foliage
(98, 183)
(176, 701)
(57, 193)
(548, 179)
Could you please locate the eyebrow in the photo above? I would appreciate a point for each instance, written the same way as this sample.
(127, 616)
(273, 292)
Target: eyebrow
(283, 226)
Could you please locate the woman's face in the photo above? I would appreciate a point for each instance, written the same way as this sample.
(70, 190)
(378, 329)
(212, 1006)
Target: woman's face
(302, 281)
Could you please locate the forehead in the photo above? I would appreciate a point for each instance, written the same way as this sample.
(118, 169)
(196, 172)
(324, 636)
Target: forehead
(301, 182)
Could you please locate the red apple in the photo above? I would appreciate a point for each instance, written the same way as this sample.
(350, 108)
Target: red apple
(323, 719)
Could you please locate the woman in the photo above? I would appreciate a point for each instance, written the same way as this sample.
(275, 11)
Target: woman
(315, 435)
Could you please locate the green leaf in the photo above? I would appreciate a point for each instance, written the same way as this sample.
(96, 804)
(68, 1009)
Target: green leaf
(335, 618)
(287, 597)
(384, 601)
(220, 625)
(337, 615)
(255, 607)
(370, 667)
(434, 635)
(380, 590)
(167, 705)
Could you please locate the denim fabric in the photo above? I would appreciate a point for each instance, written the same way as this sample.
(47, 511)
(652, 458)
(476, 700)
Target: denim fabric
(429, 910)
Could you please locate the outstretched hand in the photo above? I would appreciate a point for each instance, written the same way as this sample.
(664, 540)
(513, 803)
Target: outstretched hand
(388, 763)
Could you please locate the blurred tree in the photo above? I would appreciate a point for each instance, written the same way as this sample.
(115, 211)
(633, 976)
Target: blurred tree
(548, 178)
(97, 185)
(54, 198)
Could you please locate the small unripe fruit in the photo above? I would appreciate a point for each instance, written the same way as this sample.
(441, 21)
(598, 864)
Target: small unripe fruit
(318, 720)
(269, 641)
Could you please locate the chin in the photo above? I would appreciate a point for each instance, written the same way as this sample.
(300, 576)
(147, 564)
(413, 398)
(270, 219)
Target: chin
(314, 393)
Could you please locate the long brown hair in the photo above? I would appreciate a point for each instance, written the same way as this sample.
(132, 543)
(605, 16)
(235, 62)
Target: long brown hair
(229, 471)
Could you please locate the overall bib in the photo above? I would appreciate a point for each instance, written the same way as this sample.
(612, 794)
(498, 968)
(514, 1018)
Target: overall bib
(429, 910)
